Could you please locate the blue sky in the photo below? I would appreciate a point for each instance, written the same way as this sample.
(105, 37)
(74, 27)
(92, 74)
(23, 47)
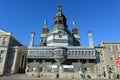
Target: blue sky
(21, 17)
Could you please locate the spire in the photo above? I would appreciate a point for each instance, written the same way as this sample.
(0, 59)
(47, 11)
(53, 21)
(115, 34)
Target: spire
(45, 24)
(45, 29)
(75, 29)
(74, 24)
(60, 8)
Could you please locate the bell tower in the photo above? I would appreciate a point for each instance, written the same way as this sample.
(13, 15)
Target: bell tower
(60, 19)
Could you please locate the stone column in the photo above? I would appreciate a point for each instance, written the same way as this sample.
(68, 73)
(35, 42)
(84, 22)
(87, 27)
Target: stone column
(32, 39)
(13, 70)
(91, 44)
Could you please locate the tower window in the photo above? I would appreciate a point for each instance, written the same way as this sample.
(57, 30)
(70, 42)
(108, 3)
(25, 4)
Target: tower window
(60, 21)
(55, 22)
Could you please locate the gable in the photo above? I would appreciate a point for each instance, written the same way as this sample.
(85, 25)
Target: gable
(4, 33)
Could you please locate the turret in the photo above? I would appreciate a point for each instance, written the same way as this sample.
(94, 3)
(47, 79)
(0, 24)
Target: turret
(76, 35)
(45, 29)
(44, 34)
(75, 29)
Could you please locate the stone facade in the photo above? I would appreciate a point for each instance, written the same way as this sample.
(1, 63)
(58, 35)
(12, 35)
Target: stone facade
(12, 53)
(61, 55)
(107, 56)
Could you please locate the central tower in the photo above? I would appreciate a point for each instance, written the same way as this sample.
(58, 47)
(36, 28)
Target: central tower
(60, 36)
(60, 19)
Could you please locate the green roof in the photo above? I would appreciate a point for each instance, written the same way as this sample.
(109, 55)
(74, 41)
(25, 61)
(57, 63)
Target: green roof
(55, 31)
(43, 35)
(76, 36)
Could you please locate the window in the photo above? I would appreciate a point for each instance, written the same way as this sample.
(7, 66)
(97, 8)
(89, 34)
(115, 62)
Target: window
(102, 60)
(34, 61)
(93, 53)
(119, 57)
(117, 48)
(79, 53)
(101, 53)
(43, 61)
(98, 69)
(4, 41)
(40, 53)
(69, 52)
(111, 58)
(85, 53)
(1, 58)
(60, 21)
(72, 53)
(109, 48)
(82, 53)
(113, 68)
(78, 60)
(52, 68)
(89, 53)
(1, 51)
(58, 52)
(79, 69)
(68, 68)
(42, 40)
(75, 53)
(87, 60)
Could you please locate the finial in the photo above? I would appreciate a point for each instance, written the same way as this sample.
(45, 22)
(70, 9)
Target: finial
(45, 23)
(74, 24)
(60, 8)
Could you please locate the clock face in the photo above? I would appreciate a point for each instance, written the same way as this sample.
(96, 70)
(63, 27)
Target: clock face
(60, 34)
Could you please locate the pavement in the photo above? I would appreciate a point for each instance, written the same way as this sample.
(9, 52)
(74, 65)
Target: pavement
(25, 77)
